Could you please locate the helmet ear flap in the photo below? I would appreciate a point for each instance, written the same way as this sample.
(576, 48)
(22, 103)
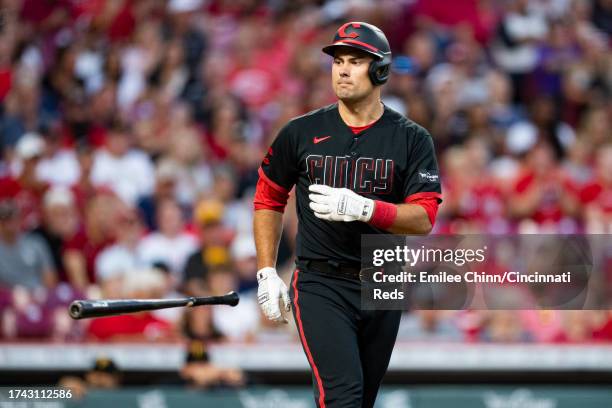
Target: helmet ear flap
(379, 70)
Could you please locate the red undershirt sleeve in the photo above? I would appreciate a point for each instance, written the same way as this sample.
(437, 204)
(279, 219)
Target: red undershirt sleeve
(429, 201)
(269, 195)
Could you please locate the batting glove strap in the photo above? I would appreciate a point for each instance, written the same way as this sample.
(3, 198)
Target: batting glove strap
(339, 204)
(266, 272)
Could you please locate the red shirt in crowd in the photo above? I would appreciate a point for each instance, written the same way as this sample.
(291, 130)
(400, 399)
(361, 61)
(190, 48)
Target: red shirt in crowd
(549, 208)
(452, 13)
(6, 79)
(28, 199)
(604, 333)
(143, 325)
(481, 202)
(598, 194)
(89, 248)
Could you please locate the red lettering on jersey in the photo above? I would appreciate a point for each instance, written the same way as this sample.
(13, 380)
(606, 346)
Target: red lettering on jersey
(363, 176)
(314, 168)
(328, 179)
(341, 170)
(365, 171)
(383, 176)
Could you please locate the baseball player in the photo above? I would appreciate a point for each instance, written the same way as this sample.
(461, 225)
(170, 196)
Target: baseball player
(358, 167)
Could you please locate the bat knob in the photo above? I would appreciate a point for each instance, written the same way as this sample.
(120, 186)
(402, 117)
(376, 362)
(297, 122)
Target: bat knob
(233, 298)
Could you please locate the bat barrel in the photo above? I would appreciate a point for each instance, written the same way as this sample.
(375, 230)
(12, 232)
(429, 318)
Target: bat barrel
(80, 309)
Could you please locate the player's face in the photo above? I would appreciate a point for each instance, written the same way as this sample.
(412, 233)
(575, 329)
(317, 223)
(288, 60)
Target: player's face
(350, 79)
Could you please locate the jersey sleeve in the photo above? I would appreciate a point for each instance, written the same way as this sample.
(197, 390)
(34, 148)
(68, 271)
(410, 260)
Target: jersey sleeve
(422, 178)
(279, 168)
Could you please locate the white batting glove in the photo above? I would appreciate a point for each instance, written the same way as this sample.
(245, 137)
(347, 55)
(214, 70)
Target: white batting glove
(269, 293)
(339, 204)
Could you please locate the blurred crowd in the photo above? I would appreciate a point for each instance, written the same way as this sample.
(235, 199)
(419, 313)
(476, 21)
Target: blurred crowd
(131, 132)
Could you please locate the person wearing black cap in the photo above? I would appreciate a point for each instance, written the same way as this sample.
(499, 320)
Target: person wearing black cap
(198, 372)
(358, 167)
(103, 375)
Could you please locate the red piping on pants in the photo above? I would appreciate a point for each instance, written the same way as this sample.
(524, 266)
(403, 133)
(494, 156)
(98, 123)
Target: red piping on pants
(298, 317)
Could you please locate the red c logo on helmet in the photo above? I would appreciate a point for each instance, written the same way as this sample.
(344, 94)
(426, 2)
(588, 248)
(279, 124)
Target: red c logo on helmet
(343, 33)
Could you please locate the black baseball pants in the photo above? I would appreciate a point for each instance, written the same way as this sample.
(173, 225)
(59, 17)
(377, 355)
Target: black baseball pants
(348, 349)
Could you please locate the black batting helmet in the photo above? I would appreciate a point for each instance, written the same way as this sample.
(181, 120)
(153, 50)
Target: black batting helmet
(368, 38)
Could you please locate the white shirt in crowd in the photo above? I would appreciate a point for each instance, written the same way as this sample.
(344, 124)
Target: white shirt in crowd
(61, 169)
(240, 321)
(173, 251)
(117, 260)
(129, 176)
(522, 57)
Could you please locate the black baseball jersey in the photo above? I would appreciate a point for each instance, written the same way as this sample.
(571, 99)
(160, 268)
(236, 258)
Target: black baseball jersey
(389, 161)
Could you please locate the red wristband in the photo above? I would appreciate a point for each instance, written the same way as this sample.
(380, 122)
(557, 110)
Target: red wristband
(384, 214)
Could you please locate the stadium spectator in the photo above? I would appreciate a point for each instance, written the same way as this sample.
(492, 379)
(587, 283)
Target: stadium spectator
(200, 373)
(96, 233)
(596, 196)
(83, 189)
(197, 324)
(103, 375)
(515, 49)
(543, 126)
(442, 18)
(171, 244)
(117, 259)
(27, 317)
(59, 165)
(187, 153)
(25, 259)
(166, 178)
(474, 200)
(244, 255)
(237, 323)
(542, 193)
(60, 224)
(237, 214)
(214, 240)
(168, 291)
(29, 151)
(128, 172)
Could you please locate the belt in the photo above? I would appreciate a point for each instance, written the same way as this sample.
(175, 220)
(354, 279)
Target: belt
(349, 271)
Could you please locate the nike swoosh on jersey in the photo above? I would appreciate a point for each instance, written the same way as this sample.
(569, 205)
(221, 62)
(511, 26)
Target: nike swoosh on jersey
(320, 139)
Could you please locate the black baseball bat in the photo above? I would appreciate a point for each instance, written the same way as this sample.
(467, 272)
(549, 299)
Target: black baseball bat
(83, 309)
